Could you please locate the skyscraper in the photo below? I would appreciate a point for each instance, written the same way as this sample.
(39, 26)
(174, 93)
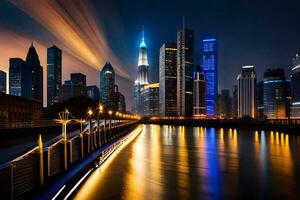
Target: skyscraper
(247, 92)
(235, 102)
(168, 80)
(19, 78)
(2, 82)
(185, 69)
(78, 78)
(54, 73)
(93, 92)
(225, 104)
(275, 91)
(295, 85)
(121, 103)
(199, 93)
(260, 99)
(33, 62)
(142, 76)
(150, 98)
(107, 84)
(210, 69)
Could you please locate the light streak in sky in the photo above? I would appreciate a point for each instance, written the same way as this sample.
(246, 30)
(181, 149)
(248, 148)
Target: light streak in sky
(74, 24)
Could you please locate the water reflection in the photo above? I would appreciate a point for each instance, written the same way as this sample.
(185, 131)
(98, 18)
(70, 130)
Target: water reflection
(167, 162)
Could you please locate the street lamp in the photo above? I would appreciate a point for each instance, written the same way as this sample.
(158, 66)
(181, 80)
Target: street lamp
(90, 113)
(110, 114)
(99, 131)
(64, 120)
(81, 121)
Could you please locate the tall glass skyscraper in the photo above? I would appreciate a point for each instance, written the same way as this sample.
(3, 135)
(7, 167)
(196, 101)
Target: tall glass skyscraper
(275, 91)
(2, 82)
(199, 93)
(168, 80)
(185, 69)
(295, 84)
(107, 86)
(19, 78)
(54, 73)
(247, 92)
(210, 69)
(33, 62)
(142, 76)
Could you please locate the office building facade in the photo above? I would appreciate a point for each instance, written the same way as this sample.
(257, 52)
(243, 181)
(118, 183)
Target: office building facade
(199, 93)
(185, 69)
(210, 68)
(33, 62)
(168, 80)
(275, 92)
(54, 73)
(295, 88)
(107, 86)
(2, 82)
(247, 92)
(150, 98)
(19, 78)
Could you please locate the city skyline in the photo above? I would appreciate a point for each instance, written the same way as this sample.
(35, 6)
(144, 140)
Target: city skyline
(235, 49)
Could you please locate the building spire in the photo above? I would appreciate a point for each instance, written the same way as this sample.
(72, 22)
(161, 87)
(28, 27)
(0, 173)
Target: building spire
(143, 44)
(183, 22)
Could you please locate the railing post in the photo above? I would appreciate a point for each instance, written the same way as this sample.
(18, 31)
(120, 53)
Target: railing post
(40, 144)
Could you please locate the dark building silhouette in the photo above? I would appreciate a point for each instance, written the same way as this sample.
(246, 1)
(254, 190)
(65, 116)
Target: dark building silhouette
(33, 62)
(79, 78)
(16, 112)
(121, 103)
(210, 69)
(168, 80)
(185, 69)
(260, 99)
(19, 78)
(235, 102)
(69, 90)
(2, 82)
(54, 73)
(107, 86)
(275, 92)
(199, 93)
(93, 92)
(225, 104)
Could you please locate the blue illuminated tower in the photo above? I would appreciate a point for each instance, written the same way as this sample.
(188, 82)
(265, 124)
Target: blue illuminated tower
(210, 69)
(142, 76)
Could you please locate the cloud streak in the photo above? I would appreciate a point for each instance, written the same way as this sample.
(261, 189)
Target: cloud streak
(74, 24)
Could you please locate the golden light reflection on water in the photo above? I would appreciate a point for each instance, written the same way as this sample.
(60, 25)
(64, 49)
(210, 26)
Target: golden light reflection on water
(183, 167)
(196, 162)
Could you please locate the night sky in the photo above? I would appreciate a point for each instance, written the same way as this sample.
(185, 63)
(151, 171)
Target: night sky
(249, 32)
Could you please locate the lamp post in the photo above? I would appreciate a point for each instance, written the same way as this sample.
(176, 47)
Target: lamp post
(81, 121)
(90, 113)
(99, 131)
(64, 120)
(110, 114)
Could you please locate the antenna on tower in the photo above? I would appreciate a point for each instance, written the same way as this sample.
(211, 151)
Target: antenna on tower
(143, 34)
(183, 22)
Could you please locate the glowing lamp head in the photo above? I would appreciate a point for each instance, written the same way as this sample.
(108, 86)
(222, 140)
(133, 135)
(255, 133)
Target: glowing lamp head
(110, 112)
(101, 108)
(90, 112)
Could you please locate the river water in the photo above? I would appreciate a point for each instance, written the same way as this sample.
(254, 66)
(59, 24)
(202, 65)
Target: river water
(169, 162)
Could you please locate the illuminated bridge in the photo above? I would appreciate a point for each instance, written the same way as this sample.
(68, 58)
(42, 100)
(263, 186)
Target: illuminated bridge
(49, 164)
